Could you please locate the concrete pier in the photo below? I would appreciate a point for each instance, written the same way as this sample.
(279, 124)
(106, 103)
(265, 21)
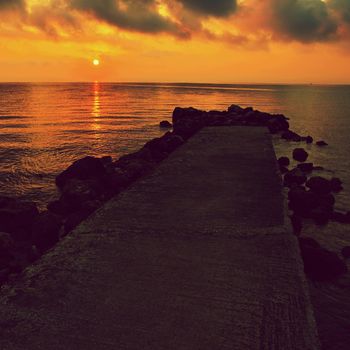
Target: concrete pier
(195, 256)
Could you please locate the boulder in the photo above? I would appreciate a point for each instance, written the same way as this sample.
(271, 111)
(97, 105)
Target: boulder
(306, 167)
(75, 219)
(290, 135)
(46, 230)
(308, 242)
(294, 177)
(277, 124)
(300, 155)
(302, 202)
(318, 168)
(106, 160)
(346, 252)
(187, 121)
(319, 184)
(309, 139)
(297, 224)
(321, 143)
(6, 248)
(321, 264)
(336, 184)
(164, 124)
(235, 109)
(283, 170)
(60, 208)
(82, 169)
(321, 215)
(16, 217)
(338, 217)
(283, 161)
(117, 182)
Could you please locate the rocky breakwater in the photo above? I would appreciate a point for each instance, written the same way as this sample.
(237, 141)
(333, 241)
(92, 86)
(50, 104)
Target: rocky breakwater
(85, 185)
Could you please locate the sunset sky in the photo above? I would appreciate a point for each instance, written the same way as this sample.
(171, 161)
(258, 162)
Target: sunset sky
(219, 41)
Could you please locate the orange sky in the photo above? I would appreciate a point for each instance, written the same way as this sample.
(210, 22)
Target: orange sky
(223, 41)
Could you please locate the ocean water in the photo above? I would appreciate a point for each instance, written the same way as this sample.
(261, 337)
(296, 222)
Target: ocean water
(45, 127)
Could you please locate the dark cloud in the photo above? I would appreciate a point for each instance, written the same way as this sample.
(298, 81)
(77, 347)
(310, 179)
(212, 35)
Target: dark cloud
(304, 20)
(134, 15)
(342, 7)
(219, 8)
(7, 4)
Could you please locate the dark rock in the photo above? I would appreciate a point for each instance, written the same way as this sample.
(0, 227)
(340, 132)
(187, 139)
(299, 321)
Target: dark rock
(319, 185)
(302, 202)
(283, 170)
(76, 191)
(294, 176)
(321, 264)
(308, 242)
(16, 217)
(290, 135)
(75, 219)
(339, 217)
(117, 181)
(306, 167)
(346, 252)
(165, 124)
(235, 109)
(297, 224)
(58, 207)
(300, 154)
(309, 139)
(82, 169)
(277, 124)
(336, 184)
(6, 247)
(283, 161)
(321, 143)
(321, 215)
(187, 121)
(106, 160)
(46, 230)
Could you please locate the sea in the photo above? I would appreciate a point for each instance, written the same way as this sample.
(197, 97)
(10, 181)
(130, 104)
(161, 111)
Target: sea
(45, 127)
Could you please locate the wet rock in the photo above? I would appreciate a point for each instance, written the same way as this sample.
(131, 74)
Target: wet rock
(336, 184)
(321, 215)
(82, 169)
(46, 230)
(6, 248)
(294, 177)
(117, 181)
(300, 155)
(306, 167)
(302, 202)
(290, 135)
(187, 121)
(308, 242)
(75, 219)
(76, 191)
(277, 124)
(297, 224)
(106, 160)
(321, 143)
(235, 109)
(60, 208)
(283, 161)
(165, 124)
(283, 170)
(321, 264)
(320, 185)
(309, 139)
(346, 252)
(16, 217)
(339, 217)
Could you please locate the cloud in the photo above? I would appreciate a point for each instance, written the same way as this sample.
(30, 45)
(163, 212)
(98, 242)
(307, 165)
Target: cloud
(218, 8)
(342, 7)
(134, 15)
(304, 20)
(8, 4)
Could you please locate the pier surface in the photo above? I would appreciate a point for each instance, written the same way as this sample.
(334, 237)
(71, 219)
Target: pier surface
(195, 256)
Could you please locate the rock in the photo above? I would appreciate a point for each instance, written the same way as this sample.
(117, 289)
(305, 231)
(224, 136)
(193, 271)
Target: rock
(117, 181)
(318, 168)
(320, 185)
(6, 248)
(59, 207)
(321, 143)
(306, 167)
(283, 161)
(277, 124)
(173, 142)
(308, 242)
(300, 154)
(294, 176)
(165, 124)
(321, 264)
(297, 224)
(290, 135)
(338, 217)
(320, 215)
(346, 252)
(76, 191)
(187, 121)
(82, 169)
(283, 170)
(106, 160)
(16, 217)
(336, 184)
(309, 139)
(75, 219)
(235, 109)
(302, 202)
(46, 230)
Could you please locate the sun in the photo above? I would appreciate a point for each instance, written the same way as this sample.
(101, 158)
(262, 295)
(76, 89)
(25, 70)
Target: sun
(96, 62)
